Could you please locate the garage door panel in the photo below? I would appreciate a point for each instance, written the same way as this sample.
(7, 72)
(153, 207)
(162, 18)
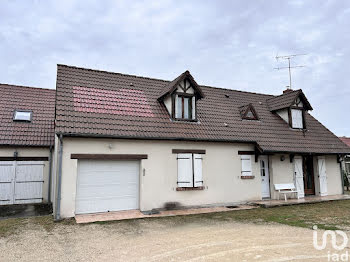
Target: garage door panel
(6, 193)
(28, 171)
(92, 178)
(29, 191)
(6, 171)
(104, 186)
(106, 190)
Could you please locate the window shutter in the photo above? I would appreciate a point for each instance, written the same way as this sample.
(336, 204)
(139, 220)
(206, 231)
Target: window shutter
(197, 168)
(246, 165)
(299, 176)
(184, 170)
(322, 176)
(297, 118)
(193, 107)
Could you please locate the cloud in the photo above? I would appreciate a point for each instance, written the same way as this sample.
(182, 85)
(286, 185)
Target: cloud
(230, 44)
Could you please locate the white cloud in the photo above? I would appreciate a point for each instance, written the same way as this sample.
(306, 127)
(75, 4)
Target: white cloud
(230, 44)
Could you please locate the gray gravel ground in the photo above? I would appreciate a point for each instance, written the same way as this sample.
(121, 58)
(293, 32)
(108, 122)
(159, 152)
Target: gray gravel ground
(170, 239)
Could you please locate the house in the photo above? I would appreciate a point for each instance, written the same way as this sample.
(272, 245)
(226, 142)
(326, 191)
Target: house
(26, 144)
(128, 142)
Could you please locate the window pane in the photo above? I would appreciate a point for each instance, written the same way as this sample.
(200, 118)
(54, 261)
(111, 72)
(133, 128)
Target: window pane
(179, 108)
(250, 114)
(186, 99)
(297, 118)
(190, 108)
(22, 116)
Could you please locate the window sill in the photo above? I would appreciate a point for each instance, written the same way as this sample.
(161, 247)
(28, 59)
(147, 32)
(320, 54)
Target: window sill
(189, 188)
(185, 119)
(247, 177)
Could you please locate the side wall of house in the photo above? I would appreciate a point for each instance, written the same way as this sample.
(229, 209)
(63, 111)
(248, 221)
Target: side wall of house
(31, 152)
(221, 172)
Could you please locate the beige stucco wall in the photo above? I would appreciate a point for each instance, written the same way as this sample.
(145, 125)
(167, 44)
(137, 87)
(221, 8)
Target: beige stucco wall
(221, 172)
(31, 152)
(334, 180)
(282, 172)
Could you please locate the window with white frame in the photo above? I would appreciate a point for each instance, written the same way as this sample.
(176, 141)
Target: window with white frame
(185, 107)
(246, 161)
(297, 118)
(22, 115)
(189, 170)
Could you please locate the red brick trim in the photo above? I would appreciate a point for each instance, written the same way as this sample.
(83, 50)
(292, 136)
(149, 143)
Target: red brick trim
(189, 188)
(247, 177)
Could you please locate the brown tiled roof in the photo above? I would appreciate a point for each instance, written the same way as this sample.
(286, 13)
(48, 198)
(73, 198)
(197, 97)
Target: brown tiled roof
(287, 99)
(346, 140)
(98, 103)
(38, 132)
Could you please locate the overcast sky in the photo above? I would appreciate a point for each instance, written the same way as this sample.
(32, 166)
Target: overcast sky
(228, 44)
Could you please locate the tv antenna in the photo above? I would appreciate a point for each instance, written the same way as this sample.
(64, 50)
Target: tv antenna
(289, 67)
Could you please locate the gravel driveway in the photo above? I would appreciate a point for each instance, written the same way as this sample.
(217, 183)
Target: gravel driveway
(166, 239)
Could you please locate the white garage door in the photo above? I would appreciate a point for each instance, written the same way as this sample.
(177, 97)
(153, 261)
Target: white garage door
(106, 185)
(21, 182)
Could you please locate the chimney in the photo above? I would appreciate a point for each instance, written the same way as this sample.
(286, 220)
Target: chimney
(287, 90)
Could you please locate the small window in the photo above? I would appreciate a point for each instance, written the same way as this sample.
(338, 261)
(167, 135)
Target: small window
(185, 107)
(262, 168)
(189, 170)
(246, 165)
(297, 118)
(248, 112)
(20, 115)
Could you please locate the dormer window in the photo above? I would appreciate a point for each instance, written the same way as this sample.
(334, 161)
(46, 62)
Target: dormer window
(291, 106)
(22, 115)
(248, 112)
(180, 97)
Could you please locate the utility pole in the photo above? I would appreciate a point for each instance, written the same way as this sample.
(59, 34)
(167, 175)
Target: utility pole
(289, 67)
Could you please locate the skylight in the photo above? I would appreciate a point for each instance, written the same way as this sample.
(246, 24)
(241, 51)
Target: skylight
(22, 115)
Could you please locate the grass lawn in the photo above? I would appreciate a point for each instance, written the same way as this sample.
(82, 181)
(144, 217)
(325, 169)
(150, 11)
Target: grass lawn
(327, 215)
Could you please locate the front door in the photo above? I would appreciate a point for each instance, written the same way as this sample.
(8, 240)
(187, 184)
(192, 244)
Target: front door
(264, 173)
(308, 168)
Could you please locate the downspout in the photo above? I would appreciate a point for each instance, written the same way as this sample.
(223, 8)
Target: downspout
(50, 176)
(58, 204)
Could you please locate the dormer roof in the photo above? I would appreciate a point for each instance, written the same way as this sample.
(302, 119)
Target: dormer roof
(287, 100)
(172, 86)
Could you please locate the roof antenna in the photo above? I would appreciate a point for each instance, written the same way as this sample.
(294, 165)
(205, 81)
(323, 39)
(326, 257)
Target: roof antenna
(289, 67)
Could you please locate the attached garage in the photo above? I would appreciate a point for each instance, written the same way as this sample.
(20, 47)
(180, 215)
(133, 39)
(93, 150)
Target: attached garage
(107, 185)
(27, 117)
